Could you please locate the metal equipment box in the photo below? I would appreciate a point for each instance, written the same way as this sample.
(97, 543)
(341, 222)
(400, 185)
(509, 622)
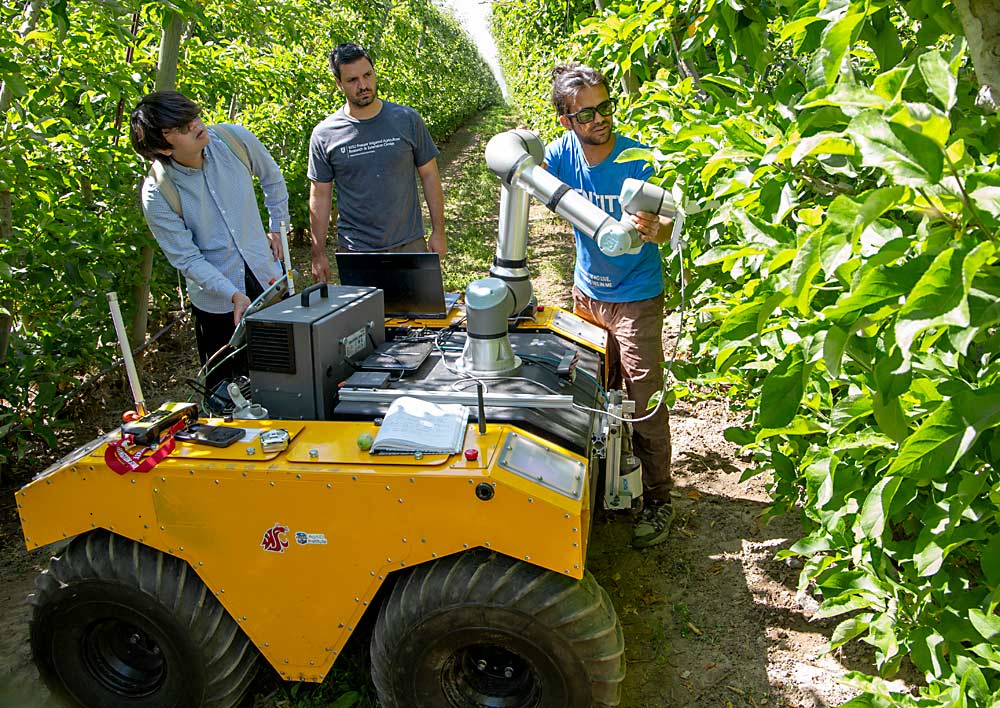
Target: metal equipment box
(300, 349)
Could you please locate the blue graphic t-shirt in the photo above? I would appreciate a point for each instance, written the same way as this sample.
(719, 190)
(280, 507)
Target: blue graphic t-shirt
(625, 278)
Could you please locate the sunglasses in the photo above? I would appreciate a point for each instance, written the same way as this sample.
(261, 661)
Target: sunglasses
(587, 115)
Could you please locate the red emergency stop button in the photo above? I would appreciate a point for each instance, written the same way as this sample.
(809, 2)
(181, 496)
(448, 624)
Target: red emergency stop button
(472, 454)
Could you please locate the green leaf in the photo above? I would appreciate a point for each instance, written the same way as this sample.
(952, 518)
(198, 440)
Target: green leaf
(940, 297)
(875, 510)
(841, 604)
(837, 37)
(909, 157)
(849, 629)
(932, 451)
(850, 408)
(925, 119)
(988, 625)
(834, 342)
(844, 95)
(800, 426)
(889, 85)
(884, 638)
(741, 322)
(804, 268)
(973, 682)
(738, 435)
(347, 700)
(880, 286)
(810, 546)
(928, 557)
(890, 418)
(782, 391)
(634, 153)
(890, 384)
(938, 77)
(989, 560)
(928, 650)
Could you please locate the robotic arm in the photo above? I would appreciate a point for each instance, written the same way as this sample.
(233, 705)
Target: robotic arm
(515, 157)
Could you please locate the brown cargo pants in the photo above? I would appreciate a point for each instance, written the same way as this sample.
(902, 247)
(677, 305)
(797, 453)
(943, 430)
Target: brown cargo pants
(635, 356)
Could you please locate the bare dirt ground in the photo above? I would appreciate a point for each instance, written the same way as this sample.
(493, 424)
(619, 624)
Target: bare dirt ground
(710, 617)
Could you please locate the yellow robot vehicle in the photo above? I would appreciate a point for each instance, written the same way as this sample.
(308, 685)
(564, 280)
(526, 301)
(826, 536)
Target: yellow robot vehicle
(437, 471)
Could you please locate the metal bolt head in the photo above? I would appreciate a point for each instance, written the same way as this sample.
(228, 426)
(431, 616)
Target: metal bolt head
(314, 453)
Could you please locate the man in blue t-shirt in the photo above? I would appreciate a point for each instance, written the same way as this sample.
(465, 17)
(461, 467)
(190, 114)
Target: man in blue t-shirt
(624, 294)
(374, 151)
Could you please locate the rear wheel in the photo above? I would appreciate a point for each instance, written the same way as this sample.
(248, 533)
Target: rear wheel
(118, 624)
(481, 630)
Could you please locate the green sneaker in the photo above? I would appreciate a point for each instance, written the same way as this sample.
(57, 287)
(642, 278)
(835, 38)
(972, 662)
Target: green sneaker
(653, 524)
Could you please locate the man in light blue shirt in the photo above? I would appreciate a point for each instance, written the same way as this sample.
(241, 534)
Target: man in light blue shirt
(214, 235)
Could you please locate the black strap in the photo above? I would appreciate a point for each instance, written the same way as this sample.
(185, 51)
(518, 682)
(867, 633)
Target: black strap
(499, 335)
(556, 197)
(504, 263)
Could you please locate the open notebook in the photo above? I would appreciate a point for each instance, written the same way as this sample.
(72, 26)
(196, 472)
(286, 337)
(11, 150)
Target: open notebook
(412, 425)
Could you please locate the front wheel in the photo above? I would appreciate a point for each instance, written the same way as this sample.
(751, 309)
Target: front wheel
(481, 630)
(119, 625)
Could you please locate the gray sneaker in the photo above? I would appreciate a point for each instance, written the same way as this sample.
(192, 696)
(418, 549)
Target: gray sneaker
(653, 524)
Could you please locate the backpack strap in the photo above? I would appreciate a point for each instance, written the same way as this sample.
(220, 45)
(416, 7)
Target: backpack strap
(167, 188)
(234, 144)
(158, 173)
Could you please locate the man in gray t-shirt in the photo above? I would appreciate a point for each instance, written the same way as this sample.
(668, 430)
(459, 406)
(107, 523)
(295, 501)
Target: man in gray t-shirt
(374, 150)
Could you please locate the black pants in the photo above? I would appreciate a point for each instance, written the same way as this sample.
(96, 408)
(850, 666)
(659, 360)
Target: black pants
(213, 331)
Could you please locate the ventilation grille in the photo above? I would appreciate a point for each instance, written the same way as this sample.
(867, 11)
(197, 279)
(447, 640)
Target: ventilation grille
(271, 347)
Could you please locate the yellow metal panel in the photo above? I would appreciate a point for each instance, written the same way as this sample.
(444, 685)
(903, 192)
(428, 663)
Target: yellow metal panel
(237, 524)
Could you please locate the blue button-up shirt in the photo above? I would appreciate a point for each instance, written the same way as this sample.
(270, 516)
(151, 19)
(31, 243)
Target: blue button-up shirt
(221, 228)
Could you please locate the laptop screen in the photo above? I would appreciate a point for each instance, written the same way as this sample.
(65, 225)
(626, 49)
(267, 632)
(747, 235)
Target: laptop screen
(411, 282)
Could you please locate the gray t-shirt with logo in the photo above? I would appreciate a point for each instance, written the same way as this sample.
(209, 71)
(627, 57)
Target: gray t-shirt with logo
(374, 165)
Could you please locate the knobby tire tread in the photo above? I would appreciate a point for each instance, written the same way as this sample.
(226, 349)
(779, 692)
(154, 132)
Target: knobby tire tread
(230, 660)
(580, 611)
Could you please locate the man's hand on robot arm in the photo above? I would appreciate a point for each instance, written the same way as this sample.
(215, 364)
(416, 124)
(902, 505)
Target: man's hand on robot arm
(654, 228)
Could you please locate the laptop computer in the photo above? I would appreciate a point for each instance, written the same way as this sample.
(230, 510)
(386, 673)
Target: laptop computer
(410, 282)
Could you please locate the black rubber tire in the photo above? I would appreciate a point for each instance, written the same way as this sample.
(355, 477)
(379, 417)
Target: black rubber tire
(451, 629)
(117, 624)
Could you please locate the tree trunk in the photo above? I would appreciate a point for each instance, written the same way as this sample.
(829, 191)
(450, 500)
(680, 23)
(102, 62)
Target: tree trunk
(981, 23)
(170, 45)
(166, 80)
(31, 12)
(6, 236)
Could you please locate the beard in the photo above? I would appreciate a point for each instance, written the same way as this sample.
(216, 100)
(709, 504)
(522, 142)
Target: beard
(364, 100)
(595, 137)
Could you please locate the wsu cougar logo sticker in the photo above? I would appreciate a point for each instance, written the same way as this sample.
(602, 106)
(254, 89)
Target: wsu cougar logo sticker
(274, 539)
